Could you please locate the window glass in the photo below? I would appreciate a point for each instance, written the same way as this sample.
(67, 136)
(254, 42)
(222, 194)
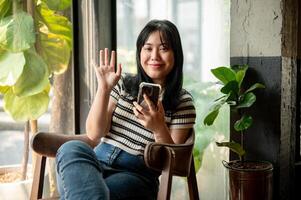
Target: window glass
(204, 27)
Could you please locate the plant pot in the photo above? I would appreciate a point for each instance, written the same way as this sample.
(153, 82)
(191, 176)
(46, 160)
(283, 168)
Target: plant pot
(15, 190)
(250, 180)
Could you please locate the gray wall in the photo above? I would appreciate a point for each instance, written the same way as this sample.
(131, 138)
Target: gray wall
(262, 35)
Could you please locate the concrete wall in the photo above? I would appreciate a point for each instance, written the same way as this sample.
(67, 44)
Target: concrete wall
(263, 35)
(255, 28)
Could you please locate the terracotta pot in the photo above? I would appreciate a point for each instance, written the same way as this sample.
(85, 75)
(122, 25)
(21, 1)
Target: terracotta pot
(250, 180)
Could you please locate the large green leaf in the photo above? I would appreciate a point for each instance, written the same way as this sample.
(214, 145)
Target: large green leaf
(231, 86)
(244, 123)
(17, 32)
(58, 4)
(224, 74)
(235, 147)
(247, 100)
(54, 23)
(26, 108)
(255, 86)
(5, 7)
(11, 67)
(55, 52)
(34, 77)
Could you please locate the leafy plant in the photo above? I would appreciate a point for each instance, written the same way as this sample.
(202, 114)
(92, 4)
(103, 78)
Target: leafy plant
(203, 93)
(32, 49)
(237, 98)
(35, 44)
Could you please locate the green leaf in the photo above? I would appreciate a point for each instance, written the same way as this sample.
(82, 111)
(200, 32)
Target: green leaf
(231, 86)
(254, 87)
(197, 159)
(26, 108)
(54, 23)
(58, 4)
(247, 100)
(240, 72)
(232, 99)
(55, 52)
(235, 147)
(34, 77)
(210, 118)
(5, 7)
(4, 89)
(11, 67)
(244, 123)
(224, 74)
(214, 110)
(238, 68)
(17, 32)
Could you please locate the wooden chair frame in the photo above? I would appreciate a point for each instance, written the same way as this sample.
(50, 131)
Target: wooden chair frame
(170, 159)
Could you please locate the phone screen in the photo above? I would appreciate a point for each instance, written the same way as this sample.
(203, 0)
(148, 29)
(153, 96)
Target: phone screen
(151, 90)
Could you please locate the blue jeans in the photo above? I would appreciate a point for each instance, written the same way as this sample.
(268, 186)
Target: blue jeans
(107, 172)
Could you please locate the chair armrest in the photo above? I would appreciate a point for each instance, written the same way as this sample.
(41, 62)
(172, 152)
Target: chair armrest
(47, 144)
(155, 156)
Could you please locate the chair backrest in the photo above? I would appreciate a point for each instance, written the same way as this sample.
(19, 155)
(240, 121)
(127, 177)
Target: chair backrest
(170, 160)
(155, 154)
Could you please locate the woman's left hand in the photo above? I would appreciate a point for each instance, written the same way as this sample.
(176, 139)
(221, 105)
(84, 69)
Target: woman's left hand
(151, 118)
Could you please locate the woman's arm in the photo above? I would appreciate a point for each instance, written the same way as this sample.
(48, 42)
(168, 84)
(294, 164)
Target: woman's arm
(100, 114)
(98, 123)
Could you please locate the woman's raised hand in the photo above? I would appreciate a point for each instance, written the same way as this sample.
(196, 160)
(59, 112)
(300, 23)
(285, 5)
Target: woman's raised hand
(107, 78)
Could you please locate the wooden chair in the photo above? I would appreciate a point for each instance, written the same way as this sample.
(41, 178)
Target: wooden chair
(170, 159)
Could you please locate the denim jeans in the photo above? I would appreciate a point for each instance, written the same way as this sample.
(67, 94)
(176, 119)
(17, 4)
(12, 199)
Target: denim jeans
(107, 172)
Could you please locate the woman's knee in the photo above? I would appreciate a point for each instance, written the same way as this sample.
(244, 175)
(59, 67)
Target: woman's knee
(73, 149)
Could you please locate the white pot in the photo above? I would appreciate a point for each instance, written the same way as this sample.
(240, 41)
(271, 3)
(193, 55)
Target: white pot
(19, 190)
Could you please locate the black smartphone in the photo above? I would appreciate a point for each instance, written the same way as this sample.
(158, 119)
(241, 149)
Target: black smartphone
(152, 90)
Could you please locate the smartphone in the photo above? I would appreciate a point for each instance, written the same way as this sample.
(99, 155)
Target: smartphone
(152, 90)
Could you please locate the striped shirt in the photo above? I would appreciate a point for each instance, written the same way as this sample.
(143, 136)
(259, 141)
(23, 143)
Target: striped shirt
(128, 134)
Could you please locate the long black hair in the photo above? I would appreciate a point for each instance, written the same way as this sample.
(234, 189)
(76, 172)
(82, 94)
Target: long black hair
(174, 80)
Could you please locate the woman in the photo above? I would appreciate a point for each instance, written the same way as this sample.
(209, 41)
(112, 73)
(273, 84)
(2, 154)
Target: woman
(115, 168)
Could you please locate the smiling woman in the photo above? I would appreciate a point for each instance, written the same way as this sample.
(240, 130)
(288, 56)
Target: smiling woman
(121, 129)
(157, 57)
(202, 31)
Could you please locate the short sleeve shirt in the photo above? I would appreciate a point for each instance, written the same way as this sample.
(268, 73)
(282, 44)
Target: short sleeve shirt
(128, 134)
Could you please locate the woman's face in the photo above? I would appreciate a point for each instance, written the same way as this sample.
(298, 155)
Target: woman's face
(156, 58)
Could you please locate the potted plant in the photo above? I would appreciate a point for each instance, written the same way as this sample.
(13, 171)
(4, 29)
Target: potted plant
(247, 179)
(35, 44)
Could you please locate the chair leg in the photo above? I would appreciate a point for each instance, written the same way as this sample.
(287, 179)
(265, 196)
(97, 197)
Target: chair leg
(192, 183)
(38, 178)
(166, 176)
